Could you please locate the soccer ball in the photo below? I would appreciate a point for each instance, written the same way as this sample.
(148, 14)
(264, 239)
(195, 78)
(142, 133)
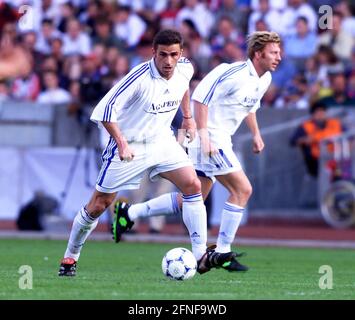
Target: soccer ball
(179, 264)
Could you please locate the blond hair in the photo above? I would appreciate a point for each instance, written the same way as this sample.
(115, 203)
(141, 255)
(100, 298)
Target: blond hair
(258, 40)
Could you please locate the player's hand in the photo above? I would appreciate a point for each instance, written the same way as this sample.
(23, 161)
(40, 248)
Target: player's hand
(188, 127)
(258, 144)
(208, 149)
(126, 155)
(125, 152)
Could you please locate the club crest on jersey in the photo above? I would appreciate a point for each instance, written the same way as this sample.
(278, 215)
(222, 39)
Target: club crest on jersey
(163, 107)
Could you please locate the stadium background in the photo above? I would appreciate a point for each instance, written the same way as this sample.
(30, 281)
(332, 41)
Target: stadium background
(71, 52)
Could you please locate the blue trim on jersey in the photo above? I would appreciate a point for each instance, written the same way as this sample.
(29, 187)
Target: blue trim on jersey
(221, 78)
(107, 165)
(133, 77)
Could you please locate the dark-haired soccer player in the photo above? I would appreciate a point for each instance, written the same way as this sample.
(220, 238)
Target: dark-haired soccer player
(137, 113)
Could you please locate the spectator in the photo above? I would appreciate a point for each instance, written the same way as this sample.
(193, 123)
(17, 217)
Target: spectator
(260, 25)
(122, 67)
(230, 8)
(302, 44)
(226, 32)
(339, 96)
(142, 53)
(93, 10)
(91, 86)
(147, 9)
(111, 55)
(199, 14)
(53, 94)
(278, 5)
(128, 26)
(294, 95)
(47, 33)
(295, 9)
(232, 52)
(67, 10)
(348, 13)
(309, 134)
(28, 42)
(285, 72)
(339, 40)
(14, 60)
(103, 34)
(75, 41)
(26, 88)
(156, 6)
(200, 51)
(56, 51)
(270, 16)
(328, 64)
(168, 15)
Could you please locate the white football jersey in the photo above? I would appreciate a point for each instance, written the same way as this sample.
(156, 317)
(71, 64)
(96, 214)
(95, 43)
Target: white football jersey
(231, 91)
(143, 103)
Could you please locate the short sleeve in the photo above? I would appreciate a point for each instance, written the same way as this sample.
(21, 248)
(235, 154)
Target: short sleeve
(120, 95)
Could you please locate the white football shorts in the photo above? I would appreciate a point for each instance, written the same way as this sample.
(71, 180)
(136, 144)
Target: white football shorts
(154, 157)
(222, 163)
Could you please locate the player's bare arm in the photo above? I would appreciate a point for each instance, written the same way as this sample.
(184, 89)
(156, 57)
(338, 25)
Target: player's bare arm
(201, 116)
(252, 123)
(188, 122)
(124, 150)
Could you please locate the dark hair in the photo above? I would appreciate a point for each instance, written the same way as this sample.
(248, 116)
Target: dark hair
(317, 106)
(167, 37)
(303, 18)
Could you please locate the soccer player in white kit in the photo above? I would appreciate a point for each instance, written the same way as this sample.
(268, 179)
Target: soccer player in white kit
(227, 95)
(137, 113)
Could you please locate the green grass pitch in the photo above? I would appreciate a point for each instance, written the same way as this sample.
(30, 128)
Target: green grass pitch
(132, 271)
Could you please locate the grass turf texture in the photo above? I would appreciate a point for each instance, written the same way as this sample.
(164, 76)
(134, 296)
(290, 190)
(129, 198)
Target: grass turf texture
(133, 271)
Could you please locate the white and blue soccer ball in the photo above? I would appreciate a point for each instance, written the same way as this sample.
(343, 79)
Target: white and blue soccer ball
(179, 264)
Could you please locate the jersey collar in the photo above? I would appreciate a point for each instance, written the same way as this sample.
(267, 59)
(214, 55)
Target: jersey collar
(252, 70)
(153, 69)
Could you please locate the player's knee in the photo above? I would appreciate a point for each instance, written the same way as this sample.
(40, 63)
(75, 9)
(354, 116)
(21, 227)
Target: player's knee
(245, 191)
(242, 192)
(248, 190)
(192, 186)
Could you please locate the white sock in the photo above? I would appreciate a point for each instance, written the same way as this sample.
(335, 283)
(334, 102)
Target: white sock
(195, 219)
(83, 225)
(231, 218)
(165, 204)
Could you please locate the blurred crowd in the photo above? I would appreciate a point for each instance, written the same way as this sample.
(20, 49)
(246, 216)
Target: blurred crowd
(74, 51)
